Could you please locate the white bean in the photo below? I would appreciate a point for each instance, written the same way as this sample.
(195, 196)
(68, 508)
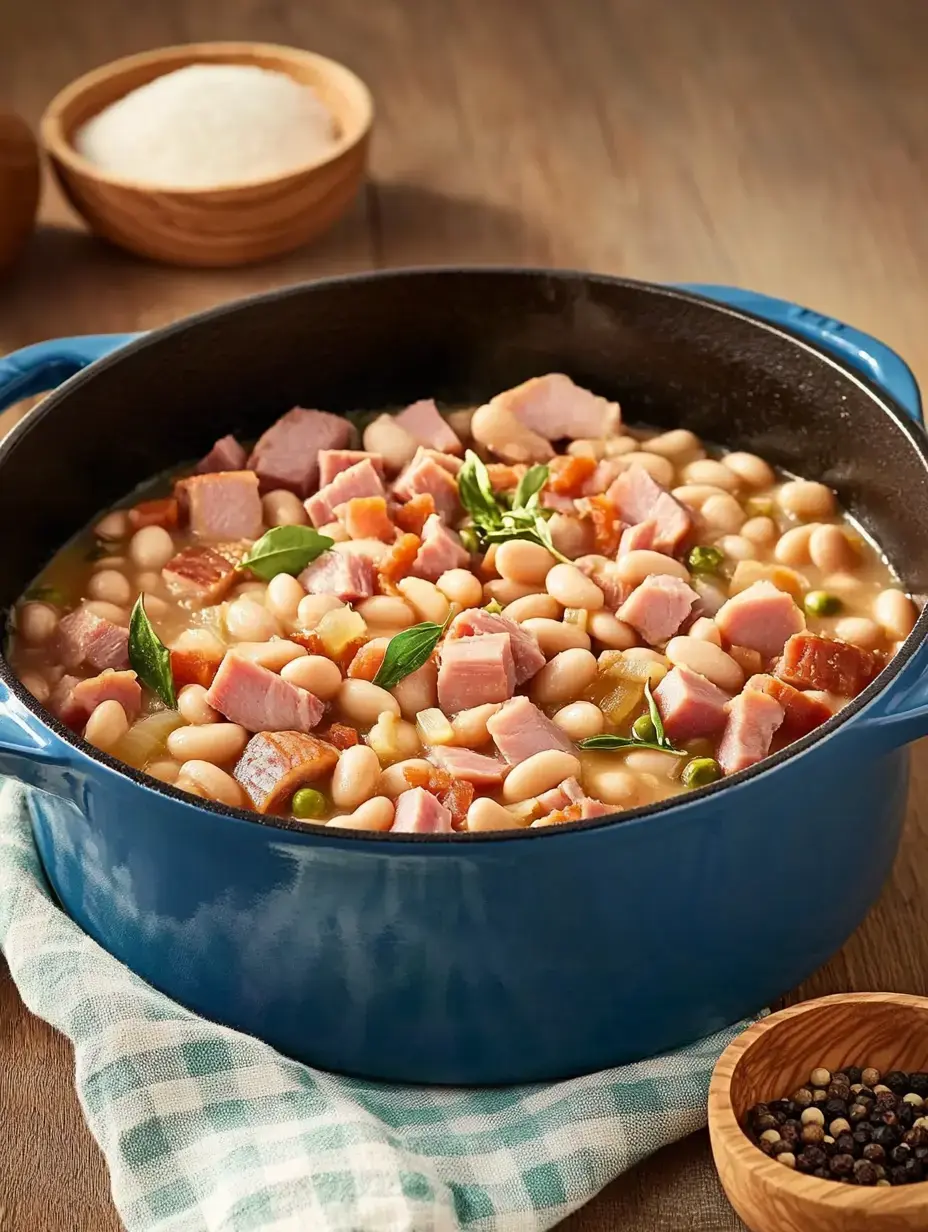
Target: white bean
(761, 531)
(213, 783)
(151, 547)
(650, 761)
(736, 547)
(506, 436)
(806, 499)
(386, 610)
(830, 549)
(193, 706)
(213, 742)
(696, 494)
(573, 589)
(203, 640)
(111, 586)
(611, 784)
(723, 513)
(376, 814)
(336, 531)
(572, 536)
(254, 590)
(485, 814)
(417, 691)
(609, 631)
(896, 613)
(635, 566)
(107, 725)
(505, 592)
(36, 622)
(362, 702)
(460, 586)
(37, 685)
(705, 630)
(385, 436)
(553, 636)
(394, 781)
(564, 677)
(587, 447)
(533, 607)
(792, 547)
(706, 470)
(394, 739)
(521, 561)
(155, 608)
(283, 597)
(470, 726)
(115, 562)
(708, 660)
(619, 446)
(248, 621)
(580, 720)
(539, 773)
(425, 598)
(753, 471)
(312, 608)
(355, 776)
(659, 468)
(680, 445)
(315, 673)
(860, 631)
(114, 525)
(459, 422)
(274, 655)
(164, 770)
(283, 508)
(106, 611)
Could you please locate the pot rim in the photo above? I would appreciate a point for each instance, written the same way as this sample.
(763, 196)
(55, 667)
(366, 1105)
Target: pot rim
(917, 438)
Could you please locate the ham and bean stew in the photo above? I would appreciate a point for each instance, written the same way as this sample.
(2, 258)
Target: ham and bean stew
(520, 615)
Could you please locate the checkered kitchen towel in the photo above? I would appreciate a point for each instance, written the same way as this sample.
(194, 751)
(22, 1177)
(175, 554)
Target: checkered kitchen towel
(206, 1129)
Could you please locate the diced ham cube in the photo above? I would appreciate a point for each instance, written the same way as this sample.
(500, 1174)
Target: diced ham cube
(365, 517)
(74, 701)
(526, 653)
(447, 461)
(424, 423)
(419, 812)
(802, 712)
(761, 618)
(474, 671)
(658, 607)
(753, 717)
(594, 808)
(223, 506)
(287, 454)
(85, 638)
(604, 573)
(349, 577)
(274, 765)
(558, 502)
(424, 476)
(260, 700)
(333, 461)
(639, 498)
(226, 455)
(519, 730)
(639, 536)
(603, 477)
(200, 575)
(813, 662)
(690, 705)
(568, 792)
(554, 407)
(359, 480)
(469, 766)
(440, 551)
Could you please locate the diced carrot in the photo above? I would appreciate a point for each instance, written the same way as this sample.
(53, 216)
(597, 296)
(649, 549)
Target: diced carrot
(607, 525)
(439, 781)
(411, 516)
(339, 735)
(573, 812)
(366, 663)
(457, 800)
(569, 474)
(311, 642)
(504, 478)
(399, 560)
(416, 776)
(365, 517)
(162, 512)
(194, 667)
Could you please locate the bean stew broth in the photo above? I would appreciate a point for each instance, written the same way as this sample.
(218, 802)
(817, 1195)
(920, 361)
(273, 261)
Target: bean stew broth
(581, 626)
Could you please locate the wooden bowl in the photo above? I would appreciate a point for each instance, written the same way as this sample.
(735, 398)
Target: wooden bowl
(775, 1057)
(231, 224)
(19, 186)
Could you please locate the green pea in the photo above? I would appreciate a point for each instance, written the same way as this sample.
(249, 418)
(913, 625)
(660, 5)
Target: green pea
(821, 603)
(704, 559)
(469, 539)
(643, 729)
(307, 803)
(700, 772)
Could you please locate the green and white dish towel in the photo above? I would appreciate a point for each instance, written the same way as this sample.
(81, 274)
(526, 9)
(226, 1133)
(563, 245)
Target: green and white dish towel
(208, 1130)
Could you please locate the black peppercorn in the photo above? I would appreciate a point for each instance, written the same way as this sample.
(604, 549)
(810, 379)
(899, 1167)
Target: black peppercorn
(813, 1134)
(917, 1136)
(880, 1171)
(921, 1152)
(766, 1120)
(819, 1096)
(841, 1165)
(889, 1117)
(897, 1081)
(833, 1108)
(874, 1152)
(865, 1096)
(885, 1099)
(899, 1154)
(767, 1147)
(802, 1097)
(841, 1078)
(897, 1176)
(914, 1170)
(778, 1148)
(838, 1092)
(918, 1083)
(791, 1131)
(864, 1172)
(864, 1133)
(857, 1112)
(845, 1144)
(810, 1158)
(823, 1173)
(854, 1074)
(907, 1114)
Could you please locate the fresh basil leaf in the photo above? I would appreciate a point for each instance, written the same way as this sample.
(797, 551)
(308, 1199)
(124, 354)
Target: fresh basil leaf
(476, 492)
(530, 485)
(607, 743)
(407, 652)
(149, 658)
(285, 549)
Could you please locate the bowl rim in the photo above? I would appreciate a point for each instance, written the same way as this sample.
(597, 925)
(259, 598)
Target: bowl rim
(59, 147)
(679, 806)
(724, 1124)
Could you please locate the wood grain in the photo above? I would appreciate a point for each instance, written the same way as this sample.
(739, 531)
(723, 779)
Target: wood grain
(775, 1057)
(780, 146)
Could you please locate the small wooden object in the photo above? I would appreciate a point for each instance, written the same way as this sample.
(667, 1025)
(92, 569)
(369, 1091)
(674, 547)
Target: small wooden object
(232, 224)
(774, 1058)
(19, 186)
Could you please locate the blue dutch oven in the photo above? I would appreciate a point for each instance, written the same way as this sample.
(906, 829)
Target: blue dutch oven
(499, 958)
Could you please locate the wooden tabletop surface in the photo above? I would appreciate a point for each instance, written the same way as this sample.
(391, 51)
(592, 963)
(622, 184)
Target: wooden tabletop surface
(780, 146)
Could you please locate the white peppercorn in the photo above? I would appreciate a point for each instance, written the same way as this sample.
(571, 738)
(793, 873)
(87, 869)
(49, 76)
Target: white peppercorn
(820, 1077)
(812, 1116)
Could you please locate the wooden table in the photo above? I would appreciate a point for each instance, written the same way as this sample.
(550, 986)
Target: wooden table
(779, 146)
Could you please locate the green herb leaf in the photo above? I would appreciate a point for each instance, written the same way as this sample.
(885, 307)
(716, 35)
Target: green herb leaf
(149, 658)
(285, 549)
(492, 607)
(407, 652)
(47, 594)
(530, 485)
(656, 719)
(607, 743)
(476, 492)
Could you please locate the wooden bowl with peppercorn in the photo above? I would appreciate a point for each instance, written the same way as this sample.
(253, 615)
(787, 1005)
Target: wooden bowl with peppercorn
(805, 1137)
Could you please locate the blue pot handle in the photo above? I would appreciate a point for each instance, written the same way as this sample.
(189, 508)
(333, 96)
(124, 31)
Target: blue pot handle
(36, 369)
(872, 358)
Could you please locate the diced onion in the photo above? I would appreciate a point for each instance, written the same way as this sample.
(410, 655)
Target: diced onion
(747, 572)
(433, 727)
(578, 616)
(340, 627)
(147, 739)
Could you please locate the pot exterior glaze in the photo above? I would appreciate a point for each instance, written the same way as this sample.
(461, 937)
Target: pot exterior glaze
(518, 957)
